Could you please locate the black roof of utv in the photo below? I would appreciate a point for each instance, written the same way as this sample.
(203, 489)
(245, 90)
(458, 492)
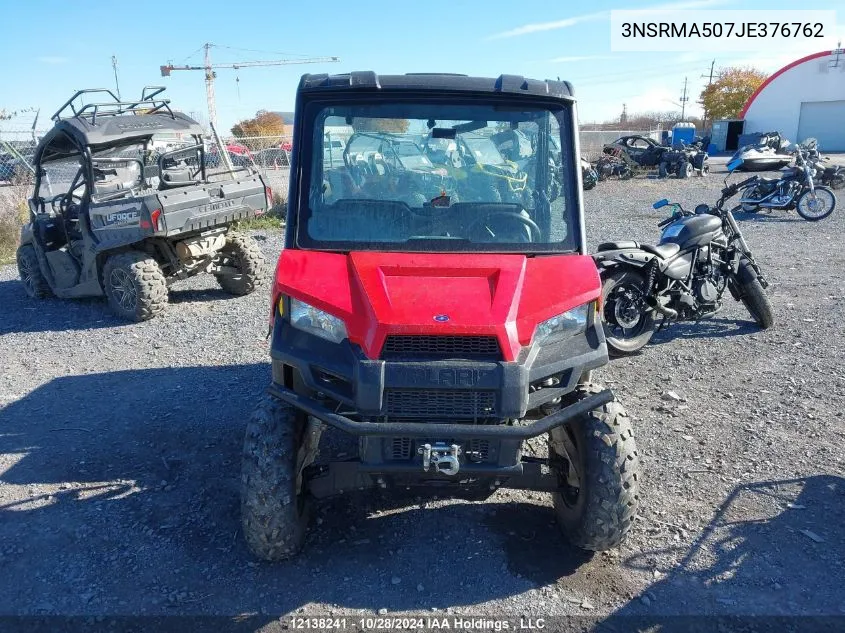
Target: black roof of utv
(443, 82)
(113, 120)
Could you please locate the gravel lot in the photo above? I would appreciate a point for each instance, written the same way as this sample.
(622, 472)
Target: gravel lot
(119, 463)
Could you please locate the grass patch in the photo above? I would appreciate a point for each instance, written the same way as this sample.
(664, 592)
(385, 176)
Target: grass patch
(263, 223)
(13, 213)
(274, 219)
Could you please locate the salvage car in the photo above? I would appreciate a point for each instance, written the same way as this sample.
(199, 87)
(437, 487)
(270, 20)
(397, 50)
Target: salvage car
(111, 216)
(644, 151)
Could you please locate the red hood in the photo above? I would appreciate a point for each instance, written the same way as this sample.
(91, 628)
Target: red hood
(377, 294)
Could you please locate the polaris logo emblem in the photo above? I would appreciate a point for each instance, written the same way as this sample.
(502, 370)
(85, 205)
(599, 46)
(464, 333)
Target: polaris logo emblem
(422, 376)
(441, 318)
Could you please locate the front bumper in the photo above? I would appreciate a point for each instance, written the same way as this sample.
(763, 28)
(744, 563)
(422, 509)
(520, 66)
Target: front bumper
(455, 431)
(439, 390)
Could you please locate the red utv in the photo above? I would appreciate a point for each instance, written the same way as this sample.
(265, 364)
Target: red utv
(441, 334)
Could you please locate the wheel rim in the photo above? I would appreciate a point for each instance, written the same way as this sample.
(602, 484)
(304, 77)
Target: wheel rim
(816, 205)
(27, 275)
(624, 311)
(123, 289)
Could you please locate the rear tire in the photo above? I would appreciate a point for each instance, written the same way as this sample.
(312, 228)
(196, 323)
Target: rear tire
(244, 254)
(33, 280)
(753, 296)
(805, 201)
(274, 509)
(625, 332)
(597, 507)
(134, 285)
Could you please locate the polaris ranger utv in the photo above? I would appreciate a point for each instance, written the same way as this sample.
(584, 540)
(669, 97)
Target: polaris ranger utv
(112, 215)
(441, 334)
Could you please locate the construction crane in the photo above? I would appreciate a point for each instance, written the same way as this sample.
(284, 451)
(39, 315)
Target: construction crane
(210, 75)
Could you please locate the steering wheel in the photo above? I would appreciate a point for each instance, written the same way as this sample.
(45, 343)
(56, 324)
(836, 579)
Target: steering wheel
(67, 200)
(536, 234)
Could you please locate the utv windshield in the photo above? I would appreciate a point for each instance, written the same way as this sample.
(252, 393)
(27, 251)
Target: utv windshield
(429, 177)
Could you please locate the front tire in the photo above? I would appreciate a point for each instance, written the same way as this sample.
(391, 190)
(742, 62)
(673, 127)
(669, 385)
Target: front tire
(33, 280)
(135, 286)
(816, 205)
(596, 461)
(753, 296)
(274, 507)
(242, 253)
(628, 326)
(685, 170)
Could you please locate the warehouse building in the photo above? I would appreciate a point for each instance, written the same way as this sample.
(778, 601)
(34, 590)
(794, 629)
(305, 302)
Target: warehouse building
(803, 99)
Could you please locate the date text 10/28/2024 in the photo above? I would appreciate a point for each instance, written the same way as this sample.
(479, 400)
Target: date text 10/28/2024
(427, 623)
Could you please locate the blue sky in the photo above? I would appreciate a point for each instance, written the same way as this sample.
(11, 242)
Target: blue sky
(56, 47)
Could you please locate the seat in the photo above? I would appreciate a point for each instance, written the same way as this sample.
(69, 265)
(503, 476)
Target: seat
(664, 251)
(616, 246)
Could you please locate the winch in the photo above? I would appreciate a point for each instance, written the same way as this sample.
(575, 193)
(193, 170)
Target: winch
(444, 458)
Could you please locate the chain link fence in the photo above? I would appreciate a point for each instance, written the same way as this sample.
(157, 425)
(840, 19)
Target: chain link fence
(592, 141)
(268, 155)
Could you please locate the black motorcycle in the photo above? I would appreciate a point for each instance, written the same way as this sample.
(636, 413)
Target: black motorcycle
(829, 176)
(683, 277)
(795, 189)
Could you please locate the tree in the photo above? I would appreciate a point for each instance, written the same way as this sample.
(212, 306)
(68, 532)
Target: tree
(724, 98)
(397, 126)
(264, 123)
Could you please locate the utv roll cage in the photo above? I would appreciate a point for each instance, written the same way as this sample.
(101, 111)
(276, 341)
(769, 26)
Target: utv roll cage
(147, 104)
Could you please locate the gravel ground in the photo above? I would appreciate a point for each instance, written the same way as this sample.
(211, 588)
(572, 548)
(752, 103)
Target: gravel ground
(119, 463)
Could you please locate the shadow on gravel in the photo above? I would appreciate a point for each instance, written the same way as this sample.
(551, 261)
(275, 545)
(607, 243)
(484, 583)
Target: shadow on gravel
(768, 216)
(23, 314)
(706, 328)
(142, 514)
(190, 295)
(772, 551)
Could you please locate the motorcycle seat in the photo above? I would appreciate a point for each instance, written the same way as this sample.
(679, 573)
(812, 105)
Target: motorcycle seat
(664, 251)
(618, 246)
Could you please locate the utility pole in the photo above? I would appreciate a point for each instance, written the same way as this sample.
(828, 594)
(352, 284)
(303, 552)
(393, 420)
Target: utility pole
(710, 77)
(709, 81)
(684, 99)
(114, 68)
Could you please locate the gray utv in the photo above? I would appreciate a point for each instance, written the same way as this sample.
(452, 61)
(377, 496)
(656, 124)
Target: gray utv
(124, 204)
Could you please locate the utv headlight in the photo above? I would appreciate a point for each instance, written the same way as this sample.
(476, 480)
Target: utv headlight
(563, 326)
(317, 322)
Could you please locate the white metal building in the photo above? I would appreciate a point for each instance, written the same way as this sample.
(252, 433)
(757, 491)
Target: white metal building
(803, 99)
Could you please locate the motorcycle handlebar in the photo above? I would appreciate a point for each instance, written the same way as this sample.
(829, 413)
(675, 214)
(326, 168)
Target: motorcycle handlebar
(663, 223)
(732, 189)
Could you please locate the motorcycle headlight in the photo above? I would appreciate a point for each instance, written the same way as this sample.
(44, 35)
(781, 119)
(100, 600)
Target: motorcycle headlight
(563, 326)
(307, 318)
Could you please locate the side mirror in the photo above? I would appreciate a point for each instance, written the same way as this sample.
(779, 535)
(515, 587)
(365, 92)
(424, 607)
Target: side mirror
(735, 164)
(660, 203)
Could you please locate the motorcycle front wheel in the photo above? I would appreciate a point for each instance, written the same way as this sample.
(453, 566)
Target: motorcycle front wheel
(753, 296)
(816, 205)
(627, 320)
